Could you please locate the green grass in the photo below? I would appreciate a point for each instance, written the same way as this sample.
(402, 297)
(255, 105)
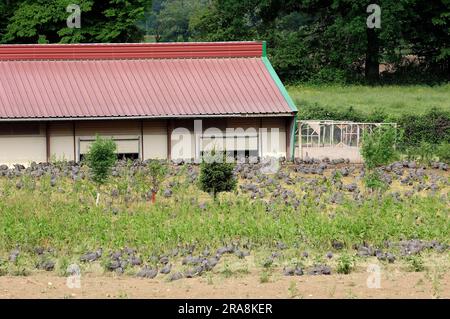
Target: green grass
(71, 223)
(394, 100)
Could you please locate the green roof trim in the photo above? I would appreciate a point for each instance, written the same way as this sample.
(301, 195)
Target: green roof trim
(264, 49)
(293, 137)
(286, 96)
(278, 82)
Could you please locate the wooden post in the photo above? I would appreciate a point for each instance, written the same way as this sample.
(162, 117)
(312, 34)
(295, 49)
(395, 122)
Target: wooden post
(47, 141)
(300, 149)
(74, 143)
(169, 139)
(260, 141)
(142, 140)
(288, 138)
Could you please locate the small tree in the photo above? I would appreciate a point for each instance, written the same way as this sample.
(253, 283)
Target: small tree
(378, 149)
(217, 176)
(100, 158)
(157, 171)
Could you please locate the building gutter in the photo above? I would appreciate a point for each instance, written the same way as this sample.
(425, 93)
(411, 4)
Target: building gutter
(144, 117)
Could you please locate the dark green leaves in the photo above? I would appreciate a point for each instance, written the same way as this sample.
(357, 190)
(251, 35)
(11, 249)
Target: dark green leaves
(100, 159)
(217, 177)
(378, 147)
(31, 21)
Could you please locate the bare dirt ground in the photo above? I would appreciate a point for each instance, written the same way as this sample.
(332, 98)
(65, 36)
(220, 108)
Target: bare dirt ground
(394, 284)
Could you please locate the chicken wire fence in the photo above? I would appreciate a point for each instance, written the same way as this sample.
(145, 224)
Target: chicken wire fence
(333, 139)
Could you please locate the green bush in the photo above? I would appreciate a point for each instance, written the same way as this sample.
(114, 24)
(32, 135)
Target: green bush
(443, 152)
(424, 153)
(432, 127)
(378, 147)
(216, 176)
(157, 172)
(373, 181)
(100, 159)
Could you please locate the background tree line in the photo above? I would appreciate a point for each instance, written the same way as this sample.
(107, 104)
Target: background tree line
(308, 40)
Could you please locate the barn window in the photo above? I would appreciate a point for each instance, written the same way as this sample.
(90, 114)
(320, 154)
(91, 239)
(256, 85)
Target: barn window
(126, 148)
(20, 129)
(236, 146)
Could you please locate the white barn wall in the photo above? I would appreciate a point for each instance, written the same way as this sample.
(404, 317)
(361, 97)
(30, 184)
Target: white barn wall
(268, 149)
(61, 141)
(155, 139)
(188, 140)
(26, 149)
(22, 150)
(184, 141)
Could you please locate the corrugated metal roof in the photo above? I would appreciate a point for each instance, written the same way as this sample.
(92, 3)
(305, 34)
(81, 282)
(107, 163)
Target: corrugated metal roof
(130, 50)
(31, 88)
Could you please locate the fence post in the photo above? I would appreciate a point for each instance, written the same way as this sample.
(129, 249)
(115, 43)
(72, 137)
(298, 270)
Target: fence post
(300, 149)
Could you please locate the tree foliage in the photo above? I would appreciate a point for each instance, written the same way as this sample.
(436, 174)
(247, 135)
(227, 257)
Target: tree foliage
(157, 172)
(323, 41)
(379, 147)
(443, 152)
(169, 20)
(217, 176)
(100, 159)
(308, 40)
(44, 21)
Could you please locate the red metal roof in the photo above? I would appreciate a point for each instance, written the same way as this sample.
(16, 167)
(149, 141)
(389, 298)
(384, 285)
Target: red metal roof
(130, 51)
(136, 80)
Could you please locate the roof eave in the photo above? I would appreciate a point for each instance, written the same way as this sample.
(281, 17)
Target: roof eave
(188, 116)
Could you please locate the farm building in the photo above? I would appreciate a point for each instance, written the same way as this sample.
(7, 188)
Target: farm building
(54, 100)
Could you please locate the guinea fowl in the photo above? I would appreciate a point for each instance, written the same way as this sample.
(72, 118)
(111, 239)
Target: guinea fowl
(166, 269)
(13, 255)
(147, 273)
(288, 271)
(135, 261)
(91, 256)
(164, 260)
(190, 273)
(176, 276)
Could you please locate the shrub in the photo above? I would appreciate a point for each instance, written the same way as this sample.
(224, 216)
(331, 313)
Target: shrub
(423, 153)
(315, 112)
(157, 171)
(443, 152)
(378, 147)
(373, 181)
(217, 176)
(100, 159)
(432, 127)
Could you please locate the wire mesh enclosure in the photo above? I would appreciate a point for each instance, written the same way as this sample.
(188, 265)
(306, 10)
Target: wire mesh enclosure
(333, 139)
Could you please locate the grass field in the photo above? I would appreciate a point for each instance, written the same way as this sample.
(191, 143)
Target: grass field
(394, 100)
(300, 210)
(53, 220)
